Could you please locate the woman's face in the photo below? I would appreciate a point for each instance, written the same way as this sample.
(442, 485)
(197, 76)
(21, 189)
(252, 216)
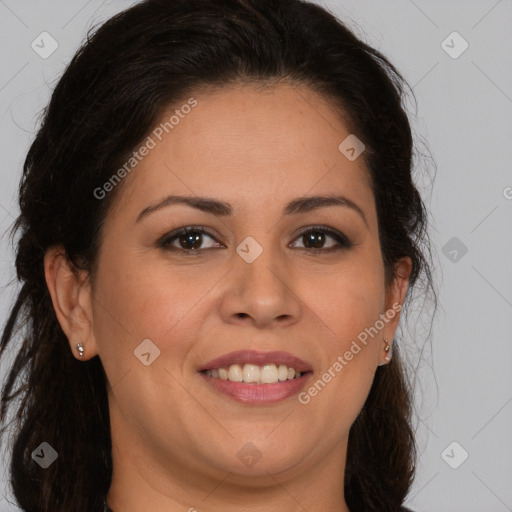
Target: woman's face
(247, 159)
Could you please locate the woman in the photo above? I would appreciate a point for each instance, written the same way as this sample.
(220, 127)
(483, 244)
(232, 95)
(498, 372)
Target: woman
(219, 205)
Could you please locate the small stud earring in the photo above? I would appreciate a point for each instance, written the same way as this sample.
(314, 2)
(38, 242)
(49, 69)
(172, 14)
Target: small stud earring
(81, 349)
(387, 349)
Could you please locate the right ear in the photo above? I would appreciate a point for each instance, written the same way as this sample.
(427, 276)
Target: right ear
(72, 300)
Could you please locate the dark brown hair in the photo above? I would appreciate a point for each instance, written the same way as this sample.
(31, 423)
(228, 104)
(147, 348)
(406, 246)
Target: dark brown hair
(107, 101)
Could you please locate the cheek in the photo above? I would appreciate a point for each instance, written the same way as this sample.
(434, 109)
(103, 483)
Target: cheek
(349, 354)
(135, 300)
(347, 304)
(346, 300)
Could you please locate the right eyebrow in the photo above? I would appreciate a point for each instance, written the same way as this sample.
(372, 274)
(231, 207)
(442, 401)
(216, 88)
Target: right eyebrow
(213, 206)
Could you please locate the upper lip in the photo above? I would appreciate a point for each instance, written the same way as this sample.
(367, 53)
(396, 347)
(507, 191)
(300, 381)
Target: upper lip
(242, 357)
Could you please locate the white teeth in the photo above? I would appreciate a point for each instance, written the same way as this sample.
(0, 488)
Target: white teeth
(254, 374)
(251, 373)
(269, 374)
(235, 373)
(283, 372)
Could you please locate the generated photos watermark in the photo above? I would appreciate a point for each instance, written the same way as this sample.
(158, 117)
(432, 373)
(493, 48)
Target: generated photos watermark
(150, 143)
(362, 339)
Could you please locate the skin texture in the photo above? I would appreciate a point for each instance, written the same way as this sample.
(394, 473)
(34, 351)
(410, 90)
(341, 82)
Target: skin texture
(175, 438)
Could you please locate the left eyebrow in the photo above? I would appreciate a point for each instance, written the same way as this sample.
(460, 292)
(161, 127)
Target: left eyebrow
(307, 204)
(221, 208)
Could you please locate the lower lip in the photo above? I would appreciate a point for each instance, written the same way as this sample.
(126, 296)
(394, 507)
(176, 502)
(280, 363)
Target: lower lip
(258, 393)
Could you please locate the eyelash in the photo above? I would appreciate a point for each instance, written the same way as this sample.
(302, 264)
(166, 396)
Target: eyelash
(340, 238)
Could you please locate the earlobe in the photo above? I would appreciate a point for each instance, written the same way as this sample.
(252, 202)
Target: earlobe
(71, 298)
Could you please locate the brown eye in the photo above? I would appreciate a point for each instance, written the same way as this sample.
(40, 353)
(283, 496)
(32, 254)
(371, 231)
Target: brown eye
(315, 240)
(189, 239)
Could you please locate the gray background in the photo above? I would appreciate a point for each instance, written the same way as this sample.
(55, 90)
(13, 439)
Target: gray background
(464, 113)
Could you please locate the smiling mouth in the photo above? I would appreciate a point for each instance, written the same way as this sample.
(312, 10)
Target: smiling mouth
(256, 378)
(255, 374)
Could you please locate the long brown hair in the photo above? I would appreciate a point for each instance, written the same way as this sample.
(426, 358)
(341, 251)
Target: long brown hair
(106, 102)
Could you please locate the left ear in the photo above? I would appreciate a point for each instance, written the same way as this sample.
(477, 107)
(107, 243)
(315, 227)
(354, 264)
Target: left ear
(395, 296)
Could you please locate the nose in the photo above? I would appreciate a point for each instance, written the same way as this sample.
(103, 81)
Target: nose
(260, 293)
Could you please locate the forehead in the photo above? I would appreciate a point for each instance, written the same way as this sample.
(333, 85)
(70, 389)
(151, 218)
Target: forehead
(248, 142)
